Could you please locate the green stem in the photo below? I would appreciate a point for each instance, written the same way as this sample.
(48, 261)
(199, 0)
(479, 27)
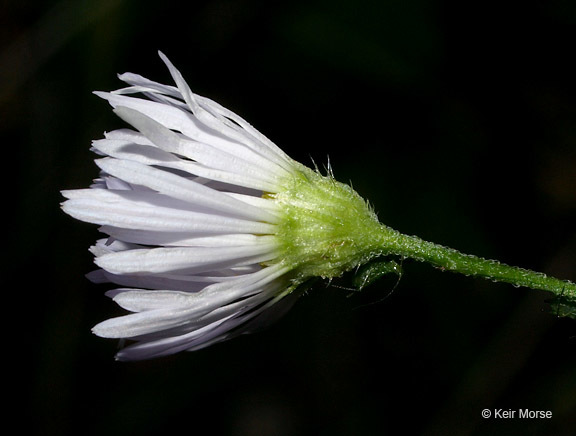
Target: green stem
(449, 259)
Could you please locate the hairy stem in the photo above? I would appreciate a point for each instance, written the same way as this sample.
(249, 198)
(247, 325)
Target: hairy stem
(449, 259)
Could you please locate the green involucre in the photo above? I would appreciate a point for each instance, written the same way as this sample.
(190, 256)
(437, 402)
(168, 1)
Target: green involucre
(326, 227)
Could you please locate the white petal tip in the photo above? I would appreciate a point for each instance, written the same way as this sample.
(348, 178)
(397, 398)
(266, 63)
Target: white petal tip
(101, 332)
(109, 329)
(163, 57)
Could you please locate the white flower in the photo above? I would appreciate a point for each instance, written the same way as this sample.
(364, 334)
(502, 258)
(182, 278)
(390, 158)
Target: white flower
(211, 228)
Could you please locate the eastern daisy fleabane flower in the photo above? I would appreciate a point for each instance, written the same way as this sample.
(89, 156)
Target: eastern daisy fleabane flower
(211, 229)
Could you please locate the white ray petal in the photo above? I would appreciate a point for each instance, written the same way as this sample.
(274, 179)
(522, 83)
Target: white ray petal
(171, 345)
(166, 139)
(220, 325)
(181, 188)
(261, 172)
(146, 154)
(139, 81)
(158, 282)
(259, 142)
(182, 239)
(143, 322)
(184, 259)
(176, 282)
(139, 300)
(128, 135)
(169, 116)
(181, 84)
(195, 306)
(173, 118)
(151, 211)
(151, 155)
(214, 120)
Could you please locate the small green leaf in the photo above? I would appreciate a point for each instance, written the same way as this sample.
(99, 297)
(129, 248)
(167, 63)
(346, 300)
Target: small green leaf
(374, 270)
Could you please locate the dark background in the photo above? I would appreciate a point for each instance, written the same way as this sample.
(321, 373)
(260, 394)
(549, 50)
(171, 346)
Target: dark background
(457, 122)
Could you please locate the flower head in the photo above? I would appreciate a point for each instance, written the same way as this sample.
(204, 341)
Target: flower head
(211, 228)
